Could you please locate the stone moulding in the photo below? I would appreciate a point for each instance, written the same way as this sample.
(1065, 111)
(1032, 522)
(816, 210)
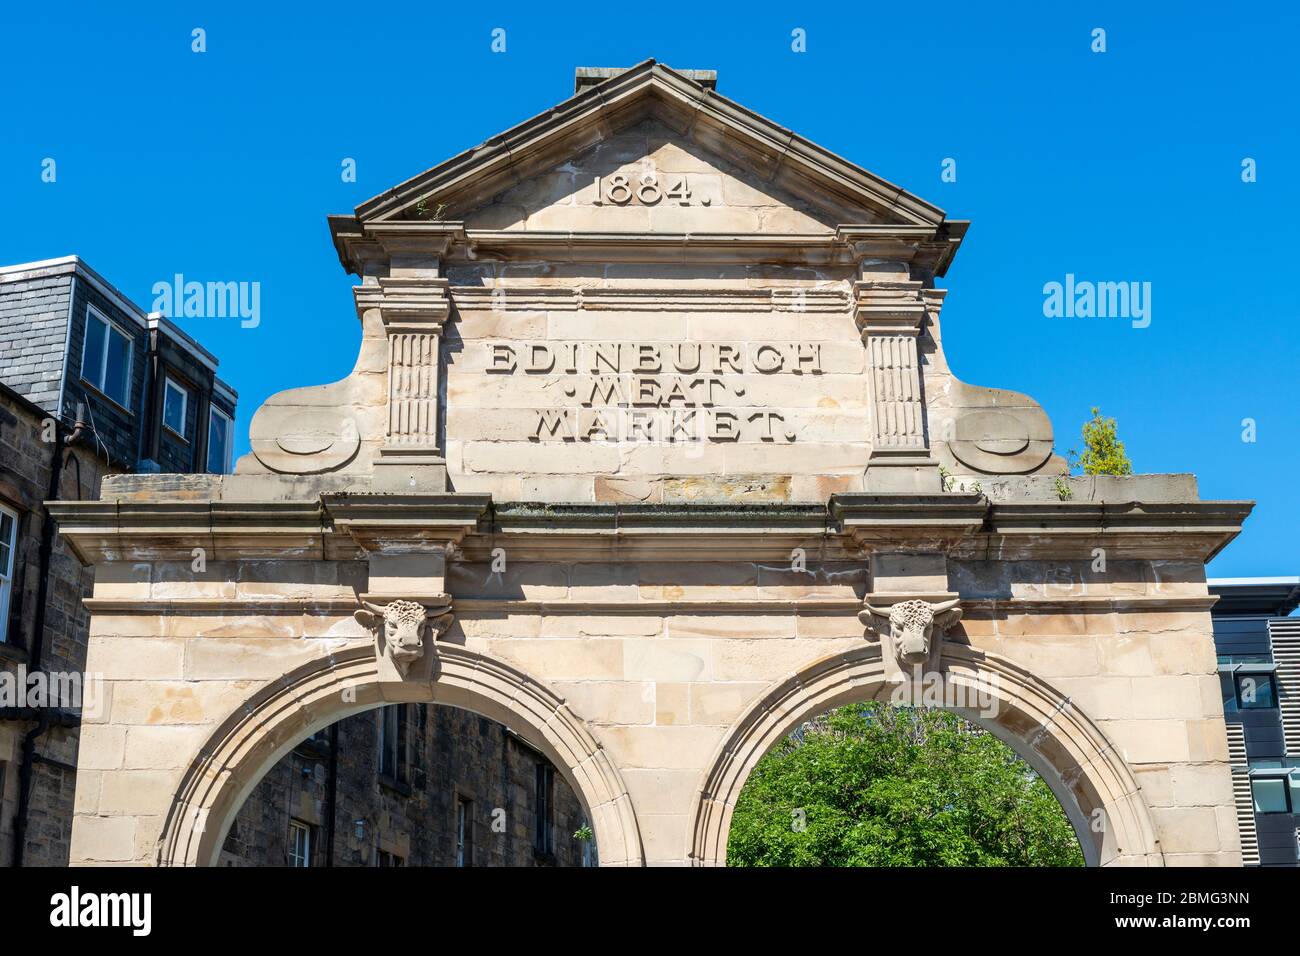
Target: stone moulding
(375, 522)
(229, 765)
(930, 248)
(648, 89)
(598, 299)
(349, 525)
(972, 526)
(1081, 766)
(975, 608)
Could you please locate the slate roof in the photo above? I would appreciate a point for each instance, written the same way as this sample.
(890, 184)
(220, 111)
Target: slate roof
(35, 299)
(34, 306)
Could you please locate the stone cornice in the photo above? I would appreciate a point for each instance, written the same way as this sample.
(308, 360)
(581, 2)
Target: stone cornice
(406, 303)
(648, 299)
(1125, 529)
(649, 90)
(888, 308)
(934, 522)
(925, 247)
(982, 608)
(395, 523)
(591, 532)
(370, 248)
(814, 249)
(928, 249)
(224, 606)
(975, 607)
(518, 516)
(349, 525)
(100, 531)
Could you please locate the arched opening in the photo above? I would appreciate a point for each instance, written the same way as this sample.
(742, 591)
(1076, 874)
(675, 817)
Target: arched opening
(275, 721)
(412, 784)
(885, 784)
(1090, 780)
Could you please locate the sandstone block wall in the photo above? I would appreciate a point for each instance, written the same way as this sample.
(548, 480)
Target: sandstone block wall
(661, 663)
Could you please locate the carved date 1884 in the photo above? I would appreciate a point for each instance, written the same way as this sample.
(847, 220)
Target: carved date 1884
(622, 189)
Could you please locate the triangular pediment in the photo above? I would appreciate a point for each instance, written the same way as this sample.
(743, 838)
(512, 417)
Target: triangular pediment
(649, 114)
(648, 178)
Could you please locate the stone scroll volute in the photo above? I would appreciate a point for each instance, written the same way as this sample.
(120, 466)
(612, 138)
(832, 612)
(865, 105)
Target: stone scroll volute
(979, 430)
(382, 419)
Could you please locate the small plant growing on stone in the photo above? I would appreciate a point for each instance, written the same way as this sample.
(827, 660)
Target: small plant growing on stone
(1063, 489)
(422, 211)
(1103, 452)
(948, 481)
(583, 833)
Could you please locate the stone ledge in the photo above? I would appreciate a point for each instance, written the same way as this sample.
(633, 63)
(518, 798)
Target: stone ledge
(998, 489)
(344, 525)
(232, 607)
(237, 487)
(1098, 489)
(974, 606)
(1086, 604)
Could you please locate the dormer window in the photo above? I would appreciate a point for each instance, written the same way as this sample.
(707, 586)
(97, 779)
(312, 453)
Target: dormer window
(176, 400)
(106, 358)
(219, 431)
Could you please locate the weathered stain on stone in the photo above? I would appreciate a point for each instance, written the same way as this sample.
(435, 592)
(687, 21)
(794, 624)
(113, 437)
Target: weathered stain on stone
(749, 488)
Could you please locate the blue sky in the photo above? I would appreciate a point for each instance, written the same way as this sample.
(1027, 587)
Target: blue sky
(1116, 166)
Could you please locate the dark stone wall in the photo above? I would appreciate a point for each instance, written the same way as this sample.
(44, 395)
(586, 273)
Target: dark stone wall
(34, 316)
(25, 461)
(453, 755)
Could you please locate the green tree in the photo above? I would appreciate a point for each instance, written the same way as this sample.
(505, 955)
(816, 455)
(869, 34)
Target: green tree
(877, 785)
(1103, 453)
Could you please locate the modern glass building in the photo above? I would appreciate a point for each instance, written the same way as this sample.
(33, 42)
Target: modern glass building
(1258, 644)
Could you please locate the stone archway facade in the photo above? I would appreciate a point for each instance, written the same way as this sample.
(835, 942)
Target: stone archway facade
(651, 448)
(1094, 785)
(348, 681)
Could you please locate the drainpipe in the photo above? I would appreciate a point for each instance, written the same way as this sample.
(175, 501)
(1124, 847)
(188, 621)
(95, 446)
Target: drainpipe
(149, 410)
(332, 810)
(38, 638)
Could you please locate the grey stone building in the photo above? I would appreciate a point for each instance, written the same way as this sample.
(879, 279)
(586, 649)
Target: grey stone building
(411, 785)
(148, 394)
(1258, 644)
(89, 385)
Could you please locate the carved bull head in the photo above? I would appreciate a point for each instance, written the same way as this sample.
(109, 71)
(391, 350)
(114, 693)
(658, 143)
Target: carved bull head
(913, 626)
(402, 626)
